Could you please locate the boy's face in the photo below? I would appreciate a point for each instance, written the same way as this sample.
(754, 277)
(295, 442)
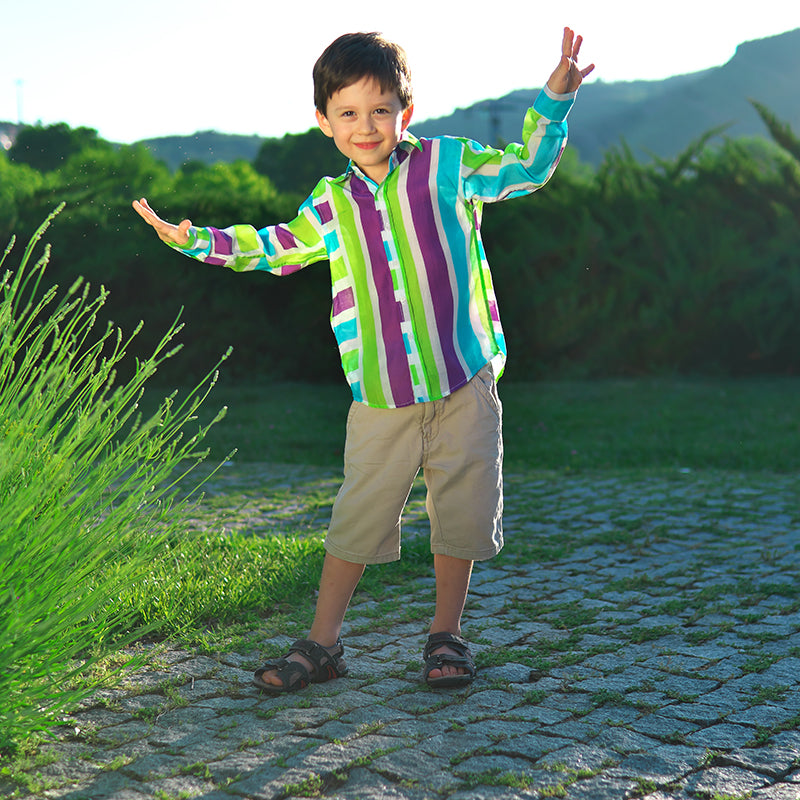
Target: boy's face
(366, 124)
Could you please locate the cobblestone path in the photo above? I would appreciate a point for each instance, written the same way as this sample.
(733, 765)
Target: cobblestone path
(642, 639)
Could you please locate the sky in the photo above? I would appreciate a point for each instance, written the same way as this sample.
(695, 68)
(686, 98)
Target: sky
(149, 68)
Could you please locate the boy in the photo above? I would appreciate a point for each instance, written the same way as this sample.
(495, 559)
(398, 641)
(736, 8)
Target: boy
(415, 319)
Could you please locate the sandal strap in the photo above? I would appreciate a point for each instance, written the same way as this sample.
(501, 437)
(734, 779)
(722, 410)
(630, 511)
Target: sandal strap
(293, 674)
(436, 640)
(326, 665)
(462, 659)
(445, 659)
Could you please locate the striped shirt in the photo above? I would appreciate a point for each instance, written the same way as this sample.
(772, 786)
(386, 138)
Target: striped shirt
(414, 310)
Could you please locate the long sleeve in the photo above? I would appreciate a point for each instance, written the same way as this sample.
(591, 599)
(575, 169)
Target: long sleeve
(279, 249)
(489, 174)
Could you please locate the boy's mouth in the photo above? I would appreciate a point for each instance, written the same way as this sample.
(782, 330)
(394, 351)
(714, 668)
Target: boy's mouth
(367, 145)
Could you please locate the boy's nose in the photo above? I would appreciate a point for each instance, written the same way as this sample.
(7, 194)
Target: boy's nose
(366, 124)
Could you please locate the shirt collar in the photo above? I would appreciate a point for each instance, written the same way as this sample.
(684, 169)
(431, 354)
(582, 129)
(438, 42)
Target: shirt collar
(409, 141)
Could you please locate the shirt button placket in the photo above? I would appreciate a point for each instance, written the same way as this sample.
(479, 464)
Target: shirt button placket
(401, 297)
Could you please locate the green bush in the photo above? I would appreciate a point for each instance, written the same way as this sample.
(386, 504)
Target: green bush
(87, 489)
(686, 265)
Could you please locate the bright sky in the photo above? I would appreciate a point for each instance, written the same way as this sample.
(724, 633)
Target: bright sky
(135, 70)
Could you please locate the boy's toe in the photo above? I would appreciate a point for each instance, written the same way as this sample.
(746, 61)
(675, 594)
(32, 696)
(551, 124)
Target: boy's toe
(448, 661)
(447, 670)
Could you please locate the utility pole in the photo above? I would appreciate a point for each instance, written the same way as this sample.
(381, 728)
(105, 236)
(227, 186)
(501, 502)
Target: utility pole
(19, 101)
(494, 110)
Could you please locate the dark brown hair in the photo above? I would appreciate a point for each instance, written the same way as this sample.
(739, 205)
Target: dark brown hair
(354, 56)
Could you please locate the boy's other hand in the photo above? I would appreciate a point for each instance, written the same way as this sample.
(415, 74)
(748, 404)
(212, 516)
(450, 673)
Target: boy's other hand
(167, 232)
(567, 76)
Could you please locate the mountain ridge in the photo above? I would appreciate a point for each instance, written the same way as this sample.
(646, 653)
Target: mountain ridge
(655, 117)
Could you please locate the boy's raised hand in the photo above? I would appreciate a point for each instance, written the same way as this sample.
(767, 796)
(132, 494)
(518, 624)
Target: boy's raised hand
(567, 76)
(167, 232)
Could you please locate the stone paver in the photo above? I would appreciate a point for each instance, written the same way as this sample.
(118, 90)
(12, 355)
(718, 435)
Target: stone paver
(639, 638)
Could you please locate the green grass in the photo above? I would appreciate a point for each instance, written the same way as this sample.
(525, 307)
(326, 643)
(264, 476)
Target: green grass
(87, 489)
(286, 423)
(743, 425)
(595, 427)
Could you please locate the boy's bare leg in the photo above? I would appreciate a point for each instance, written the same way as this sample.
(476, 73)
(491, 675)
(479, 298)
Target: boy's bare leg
(337, 584)
(452, 585)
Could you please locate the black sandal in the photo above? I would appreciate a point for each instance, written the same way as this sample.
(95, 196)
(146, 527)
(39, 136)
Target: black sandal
(326, 666)
(463, 660)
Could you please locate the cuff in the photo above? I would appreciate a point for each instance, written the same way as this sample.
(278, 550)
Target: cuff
(554, 106)
(191, 244)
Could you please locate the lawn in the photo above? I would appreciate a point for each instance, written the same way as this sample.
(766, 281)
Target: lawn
(552, 430)
(743, 425)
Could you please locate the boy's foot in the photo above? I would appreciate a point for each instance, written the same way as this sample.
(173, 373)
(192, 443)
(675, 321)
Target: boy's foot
(306, 662)
(448, 661)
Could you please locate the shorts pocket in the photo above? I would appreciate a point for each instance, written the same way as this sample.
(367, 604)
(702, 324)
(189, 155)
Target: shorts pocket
(486, 387)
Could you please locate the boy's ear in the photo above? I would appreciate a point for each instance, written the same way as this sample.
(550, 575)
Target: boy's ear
(323, 123)
(407, 116)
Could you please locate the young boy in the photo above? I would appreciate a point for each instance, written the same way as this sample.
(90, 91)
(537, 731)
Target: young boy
(415, 319)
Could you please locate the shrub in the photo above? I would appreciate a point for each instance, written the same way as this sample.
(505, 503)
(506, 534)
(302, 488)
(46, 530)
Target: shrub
(87, 489)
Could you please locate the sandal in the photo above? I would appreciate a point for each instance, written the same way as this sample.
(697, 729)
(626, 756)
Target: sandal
(325, 666)
(439, 660)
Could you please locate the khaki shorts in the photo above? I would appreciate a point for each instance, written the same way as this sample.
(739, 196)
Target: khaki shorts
(458, 444)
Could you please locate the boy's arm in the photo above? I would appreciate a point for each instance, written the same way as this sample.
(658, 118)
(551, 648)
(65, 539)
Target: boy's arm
(280, 249)
(489, 174)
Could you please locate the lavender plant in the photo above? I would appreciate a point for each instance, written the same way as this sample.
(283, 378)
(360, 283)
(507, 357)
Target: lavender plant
(88, 488)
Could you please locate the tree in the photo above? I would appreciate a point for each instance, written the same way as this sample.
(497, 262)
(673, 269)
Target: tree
(18, 184)
(297, 161)
(780, 131)
(48, 148)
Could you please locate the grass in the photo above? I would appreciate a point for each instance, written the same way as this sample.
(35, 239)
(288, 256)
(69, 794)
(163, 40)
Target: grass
(87, 488)
(212, 586)
(604, 427)
(635, 427)
(659, 423)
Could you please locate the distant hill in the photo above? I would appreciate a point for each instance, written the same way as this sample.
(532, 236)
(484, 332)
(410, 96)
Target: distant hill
(652, 117)
(208, 147)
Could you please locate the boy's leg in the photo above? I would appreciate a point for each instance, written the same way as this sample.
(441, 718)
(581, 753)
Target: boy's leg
(463, 472)
(337, 584)
(382, 458)
(452, 585)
